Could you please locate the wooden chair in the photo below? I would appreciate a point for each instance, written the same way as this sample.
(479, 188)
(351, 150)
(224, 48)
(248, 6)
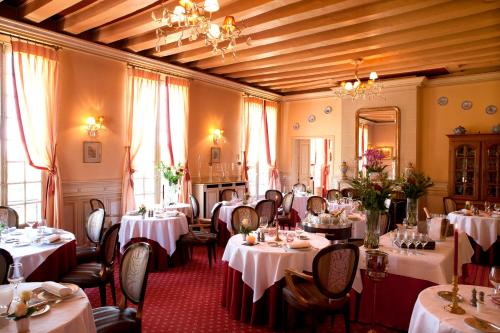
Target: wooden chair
(5, 261)
(98, 274)
(285, 219)
(450, 205)
(244, 212)
(227, 194)
(299, 187)
(327, 290)
(316, 205)
(332, 194)
(397, 213)
(12, 216)
(94, 230)
(349, 191)
(203, 237)
(276, 196)
(96, 203)
(133, 281)
(266, 209)
(201, 223)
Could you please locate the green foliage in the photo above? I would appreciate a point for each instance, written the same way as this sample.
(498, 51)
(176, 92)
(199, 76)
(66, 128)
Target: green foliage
(415, 185)
(373, 193)
(171, 173)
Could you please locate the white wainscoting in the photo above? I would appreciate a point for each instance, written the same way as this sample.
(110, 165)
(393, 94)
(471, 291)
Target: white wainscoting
(76, 197)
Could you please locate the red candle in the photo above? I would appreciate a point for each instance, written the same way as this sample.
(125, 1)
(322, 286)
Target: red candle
(455, 254)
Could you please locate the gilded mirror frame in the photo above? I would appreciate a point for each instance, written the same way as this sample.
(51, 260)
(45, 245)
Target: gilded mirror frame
(397, 113)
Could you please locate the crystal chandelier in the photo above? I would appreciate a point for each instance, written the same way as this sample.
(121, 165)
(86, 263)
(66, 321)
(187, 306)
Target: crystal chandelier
(195, 19)
(358, 89)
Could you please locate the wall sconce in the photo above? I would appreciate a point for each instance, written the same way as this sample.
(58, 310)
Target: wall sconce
(94, 126)
(217, 135)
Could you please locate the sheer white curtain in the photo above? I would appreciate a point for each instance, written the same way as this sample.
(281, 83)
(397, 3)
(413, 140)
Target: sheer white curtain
(362, 144)
(140, 126)
(36, 73)
(270, 118)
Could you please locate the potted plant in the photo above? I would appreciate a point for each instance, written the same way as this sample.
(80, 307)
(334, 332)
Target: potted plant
(413, 185)
(22, 312)
(142, 210)
(173, 176)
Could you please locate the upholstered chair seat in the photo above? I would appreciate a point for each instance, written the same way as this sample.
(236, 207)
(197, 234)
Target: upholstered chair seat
(86, 275)
(110, 319)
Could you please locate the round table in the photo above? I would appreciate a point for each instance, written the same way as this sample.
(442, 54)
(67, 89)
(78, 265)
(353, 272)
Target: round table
(69, 316)
(483, 229)
(42, 262)
(430, 316)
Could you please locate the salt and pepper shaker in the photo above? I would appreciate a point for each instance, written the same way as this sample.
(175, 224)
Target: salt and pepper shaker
(481, 296)
(473, 300)
(480, 302)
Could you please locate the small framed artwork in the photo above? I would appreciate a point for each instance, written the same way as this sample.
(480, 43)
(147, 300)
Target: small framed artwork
(215, 155)
(386, 151)
(92, 151)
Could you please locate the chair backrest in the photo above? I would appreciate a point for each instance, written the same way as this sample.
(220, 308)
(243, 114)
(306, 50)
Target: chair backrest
(227, 194)
(9, 216)
(316, 205)
(108, 245)
(134, 269)
(288, 203)
(397, 213)
(95, 225)
(5, 261)
(96, 203)
(267, 209)
(276, 196)
(214, 221)
(353, 193)
(332, 194)
(449, 205)
(299, 187)
(195, 207)
(244, 212)
(334, 268)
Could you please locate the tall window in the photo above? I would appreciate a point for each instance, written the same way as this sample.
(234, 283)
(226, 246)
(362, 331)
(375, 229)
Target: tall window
(21, 184)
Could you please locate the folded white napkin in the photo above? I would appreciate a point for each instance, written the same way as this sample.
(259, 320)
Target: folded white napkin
(56, 289)
(298, 244)
(52, 238)
(171, 213)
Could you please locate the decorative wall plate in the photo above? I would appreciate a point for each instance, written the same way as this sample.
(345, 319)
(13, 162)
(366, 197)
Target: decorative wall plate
(491, 109)
(328, 109)
(311, 118)
(466, 105)
(443, 100)
(296, 126)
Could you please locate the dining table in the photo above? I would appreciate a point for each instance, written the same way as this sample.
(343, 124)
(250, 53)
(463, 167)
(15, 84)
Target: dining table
(73, 314)
(161, 231)
(429, 314)
(484, 231)
(254, 276)
(409, 272)
(41, 260)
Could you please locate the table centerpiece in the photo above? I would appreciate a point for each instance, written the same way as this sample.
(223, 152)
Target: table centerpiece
(173, 176)
(414, 185)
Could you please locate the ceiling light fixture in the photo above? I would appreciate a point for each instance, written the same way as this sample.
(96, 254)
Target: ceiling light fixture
(358, 89)
(195, 19)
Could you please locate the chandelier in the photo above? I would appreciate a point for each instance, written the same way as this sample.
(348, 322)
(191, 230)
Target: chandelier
(195, 20)
(358, 89)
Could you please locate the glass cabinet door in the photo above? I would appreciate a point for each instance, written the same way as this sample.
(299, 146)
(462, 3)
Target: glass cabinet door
(491, 181)
(465, 170)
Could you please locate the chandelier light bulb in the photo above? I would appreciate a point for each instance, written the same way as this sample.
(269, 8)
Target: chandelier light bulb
(229, 24)
(356, 84)
(211, 6)
(348, 86)
(214, 31)
(373, 76)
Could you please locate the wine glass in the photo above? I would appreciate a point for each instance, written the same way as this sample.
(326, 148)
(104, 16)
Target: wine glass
(41, 226)
(298, 231)
(15, 274)
(416, 241)
(424, 239)
(495, 279)
(407, 240)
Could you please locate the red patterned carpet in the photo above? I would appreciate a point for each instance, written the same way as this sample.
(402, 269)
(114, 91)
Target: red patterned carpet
(187, 299)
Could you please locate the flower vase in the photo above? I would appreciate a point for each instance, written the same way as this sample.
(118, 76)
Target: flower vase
(372, 229)
(244, 237)
(412, 212)
(172, 194)
(23, 325)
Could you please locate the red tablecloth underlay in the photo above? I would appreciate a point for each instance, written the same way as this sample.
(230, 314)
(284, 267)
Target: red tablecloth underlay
(160, 260)
(491, 257)
(60, 262)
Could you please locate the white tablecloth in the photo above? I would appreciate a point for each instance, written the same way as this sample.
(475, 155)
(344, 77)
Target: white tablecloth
(429, 315)
(70, 316)
(165, 231)
(430, 265)
(262, 265)
(300, 205)
(484, 230)
(226, 212)
(32, 256)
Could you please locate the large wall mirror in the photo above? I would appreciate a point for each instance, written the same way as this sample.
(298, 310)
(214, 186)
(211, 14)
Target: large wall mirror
(379, 128)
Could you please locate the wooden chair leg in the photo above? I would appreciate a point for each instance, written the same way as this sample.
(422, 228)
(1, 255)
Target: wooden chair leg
(113, 290)
(214, 251)
(347, 321)
(102, 293)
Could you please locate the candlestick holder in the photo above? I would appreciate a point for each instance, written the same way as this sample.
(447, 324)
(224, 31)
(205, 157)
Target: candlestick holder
(453, 307)
(277, 238)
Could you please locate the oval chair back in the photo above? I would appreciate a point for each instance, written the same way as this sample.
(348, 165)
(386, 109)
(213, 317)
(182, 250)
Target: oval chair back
(5, 261)
(332, 194)
(349, 191)
(449, 205)
(299, 187)
(108, 245)
(214, 220)
(227, 194)
(244, 212)
(96, 203)
(195, 207)
(95, 225)
(288, 203)
(11, 215)
(316, 205)
(267, 209)
(275, 196)
(334, 268)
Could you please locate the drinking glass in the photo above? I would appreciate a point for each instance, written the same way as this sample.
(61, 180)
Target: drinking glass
(41, 226)
(263, 222)
(408, 240)
(290, 236)
(495, 278)
(416, 240)
(298, 231)
(31, 223)
(487, 207)
(496, 207)
(15, 274)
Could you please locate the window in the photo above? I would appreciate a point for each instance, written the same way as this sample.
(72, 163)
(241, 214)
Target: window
(21, 184)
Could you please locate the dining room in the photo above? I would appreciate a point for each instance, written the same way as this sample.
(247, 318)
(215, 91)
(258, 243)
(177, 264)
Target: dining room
(249, 166)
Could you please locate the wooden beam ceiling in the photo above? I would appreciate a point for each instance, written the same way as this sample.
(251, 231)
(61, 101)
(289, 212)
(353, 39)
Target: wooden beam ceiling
(296, 45)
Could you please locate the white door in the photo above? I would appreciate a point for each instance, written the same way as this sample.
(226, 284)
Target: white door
(212, 198)
(304, 173)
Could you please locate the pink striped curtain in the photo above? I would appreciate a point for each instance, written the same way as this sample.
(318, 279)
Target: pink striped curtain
(270, 118)
(36, 73)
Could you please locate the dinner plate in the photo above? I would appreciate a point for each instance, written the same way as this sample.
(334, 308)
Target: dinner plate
(446, 295)
(273, 244)
(481, 325)
(41, 311)
(304, 238)
(46, 296)
(21, 244)
(301, 248)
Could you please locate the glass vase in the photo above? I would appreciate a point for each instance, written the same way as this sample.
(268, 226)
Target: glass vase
(23, 325)
(412, 212)
(372, 229)
(172, 194)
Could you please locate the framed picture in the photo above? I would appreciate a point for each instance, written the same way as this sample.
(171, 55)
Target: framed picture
(215, 155)
(387, 151)
(91, 152)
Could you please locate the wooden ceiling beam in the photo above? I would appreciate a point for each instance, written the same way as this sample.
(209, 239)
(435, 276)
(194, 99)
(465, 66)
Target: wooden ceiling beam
(100, 13)
(415, 35)
(40, 10)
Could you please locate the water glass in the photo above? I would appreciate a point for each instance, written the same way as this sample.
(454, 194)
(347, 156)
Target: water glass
(290, 236)
(15, 274)
(298, 231)
(495, 278)
(424, 239)
(263, 222)
(407, 240)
